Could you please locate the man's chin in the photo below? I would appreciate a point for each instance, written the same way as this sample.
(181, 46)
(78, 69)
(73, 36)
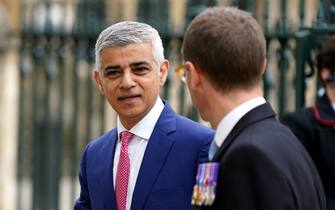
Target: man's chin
(131, 117)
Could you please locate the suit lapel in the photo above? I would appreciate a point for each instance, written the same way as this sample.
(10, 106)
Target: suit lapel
(259, 113)
(154, 158)
(107, 154)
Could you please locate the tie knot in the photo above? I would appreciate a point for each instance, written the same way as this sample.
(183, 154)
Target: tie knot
(125, 137)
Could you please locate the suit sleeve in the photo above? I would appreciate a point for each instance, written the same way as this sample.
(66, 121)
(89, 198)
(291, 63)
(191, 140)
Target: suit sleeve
(251, 181)
(83, 202)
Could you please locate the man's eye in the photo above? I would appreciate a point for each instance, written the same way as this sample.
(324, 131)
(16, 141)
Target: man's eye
(140, 70)
(112, 73)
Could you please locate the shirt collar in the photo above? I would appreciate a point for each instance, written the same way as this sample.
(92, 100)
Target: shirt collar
(144, 127)
(230, 120)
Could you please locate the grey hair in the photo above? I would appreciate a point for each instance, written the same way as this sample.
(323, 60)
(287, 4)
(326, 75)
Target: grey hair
(129, 32)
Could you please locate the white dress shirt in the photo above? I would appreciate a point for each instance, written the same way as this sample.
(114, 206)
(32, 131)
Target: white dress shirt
(136, 148)
(230, 120)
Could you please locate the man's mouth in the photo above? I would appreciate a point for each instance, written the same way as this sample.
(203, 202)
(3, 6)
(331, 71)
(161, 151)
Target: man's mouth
(130, 97)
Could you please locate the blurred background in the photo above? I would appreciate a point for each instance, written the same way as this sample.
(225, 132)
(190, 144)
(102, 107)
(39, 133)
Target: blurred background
(50, 107)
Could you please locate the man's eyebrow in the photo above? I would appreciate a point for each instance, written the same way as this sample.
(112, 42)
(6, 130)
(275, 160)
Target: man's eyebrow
(140, 63)
(132, 65)
(111, 67)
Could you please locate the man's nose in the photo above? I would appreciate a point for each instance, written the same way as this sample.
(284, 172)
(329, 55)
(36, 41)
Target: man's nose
(127, 80)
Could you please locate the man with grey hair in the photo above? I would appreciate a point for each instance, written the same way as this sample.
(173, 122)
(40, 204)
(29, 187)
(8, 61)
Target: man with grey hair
(149, 160)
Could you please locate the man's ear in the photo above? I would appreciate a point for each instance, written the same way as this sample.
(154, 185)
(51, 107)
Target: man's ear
(97, 78)
(163, 71)
(193, 75)
(265, 62)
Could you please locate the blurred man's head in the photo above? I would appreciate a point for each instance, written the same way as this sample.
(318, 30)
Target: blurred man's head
(326, 61)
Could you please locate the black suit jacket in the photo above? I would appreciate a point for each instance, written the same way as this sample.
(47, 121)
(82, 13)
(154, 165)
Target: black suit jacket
(318, 137)
(264, 167)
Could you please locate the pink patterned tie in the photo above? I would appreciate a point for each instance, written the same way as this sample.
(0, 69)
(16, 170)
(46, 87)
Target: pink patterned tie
(123, 171)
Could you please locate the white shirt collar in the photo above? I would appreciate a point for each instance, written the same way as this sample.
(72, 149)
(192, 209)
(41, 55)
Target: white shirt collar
(144, 127)
(230, 120)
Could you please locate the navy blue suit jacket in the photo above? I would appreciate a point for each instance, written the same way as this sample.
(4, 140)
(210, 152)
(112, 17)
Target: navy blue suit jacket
(263, 166)
(167, 173)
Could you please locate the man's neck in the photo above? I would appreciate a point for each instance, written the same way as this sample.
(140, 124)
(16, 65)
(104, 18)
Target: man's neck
(223, 103)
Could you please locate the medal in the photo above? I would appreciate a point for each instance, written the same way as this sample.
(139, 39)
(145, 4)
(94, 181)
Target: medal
(204, 188)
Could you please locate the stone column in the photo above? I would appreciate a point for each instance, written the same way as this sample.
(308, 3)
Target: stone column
(9, 115)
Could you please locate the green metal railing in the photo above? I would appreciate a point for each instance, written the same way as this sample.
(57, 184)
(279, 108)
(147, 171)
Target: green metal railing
(52, 103)
(61, 110)
(308, 39)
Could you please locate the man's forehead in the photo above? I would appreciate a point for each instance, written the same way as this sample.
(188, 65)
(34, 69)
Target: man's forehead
(129, 55)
